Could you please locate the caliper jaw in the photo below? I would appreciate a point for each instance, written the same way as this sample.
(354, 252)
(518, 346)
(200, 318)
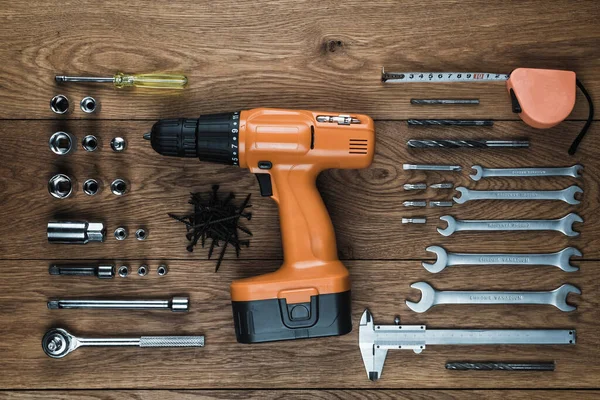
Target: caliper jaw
(376, 340)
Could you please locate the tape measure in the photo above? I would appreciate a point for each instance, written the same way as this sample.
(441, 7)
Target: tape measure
(440, 77)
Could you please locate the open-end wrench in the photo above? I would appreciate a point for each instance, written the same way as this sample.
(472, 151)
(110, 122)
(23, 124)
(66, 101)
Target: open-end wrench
(567, 195)
(57, 342)
(563, 225)
(481, 172)
(431, 297)
(444, 259)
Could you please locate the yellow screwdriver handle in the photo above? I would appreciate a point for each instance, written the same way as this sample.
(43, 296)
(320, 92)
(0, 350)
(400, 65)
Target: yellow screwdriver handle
(155, 81)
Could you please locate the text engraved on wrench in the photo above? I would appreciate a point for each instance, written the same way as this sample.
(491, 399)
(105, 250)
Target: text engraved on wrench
(509, 225)
(515, 260)
(495, 297)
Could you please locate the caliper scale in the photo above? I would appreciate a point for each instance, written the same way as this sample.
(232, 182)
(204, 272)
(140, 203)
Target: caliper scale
(376, 340)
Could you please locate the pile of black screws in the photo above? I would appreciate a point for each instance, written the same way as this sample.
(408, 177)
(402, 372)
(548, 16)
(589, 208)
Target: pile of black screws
(216, 220)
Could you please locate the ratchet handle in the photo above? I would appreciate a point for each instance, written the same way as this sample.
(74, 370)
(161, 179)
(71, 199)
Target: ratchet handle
(172, 341)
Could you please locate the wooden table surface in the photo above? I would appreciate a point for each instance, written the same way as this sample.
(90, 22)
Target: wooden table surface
(322, 55)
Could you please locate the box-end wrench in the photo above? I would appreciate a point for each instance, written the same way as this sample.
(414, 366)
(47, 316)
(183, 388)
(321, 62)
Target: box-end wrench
(567, 195)
(560, 259)
(431, 297)
(481, 172)
(57, 342)
(563, 225)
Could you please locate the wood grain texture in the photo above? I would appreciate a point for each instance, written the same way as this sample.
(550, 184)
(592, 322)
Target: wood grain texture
(294, 54)
(298, 394)
(365, 205)
(333, 362)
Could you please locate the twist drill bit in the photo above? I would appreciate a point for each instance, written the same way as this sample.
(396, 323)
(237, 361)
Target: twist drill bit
(499, 366)
(475, 144)
(450, 122)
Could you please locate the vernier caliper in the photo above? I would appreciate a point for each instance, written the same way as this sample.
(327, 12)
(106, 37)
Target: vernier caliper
(376, 340)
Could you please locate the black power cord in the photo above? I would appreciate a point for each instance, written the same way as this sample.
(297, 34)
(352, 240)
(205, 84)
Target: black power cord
(579, 137)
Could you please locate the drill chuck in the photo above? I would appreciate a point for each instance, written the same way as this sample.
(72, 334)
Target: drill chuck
(212, 137)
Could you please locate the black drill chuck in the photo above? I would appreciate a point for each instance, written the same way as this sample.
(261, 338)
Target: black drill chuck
(212, 137)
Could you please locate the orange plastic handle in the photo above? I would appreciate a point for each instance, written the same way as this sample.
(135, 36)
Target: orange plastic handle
(299, 148)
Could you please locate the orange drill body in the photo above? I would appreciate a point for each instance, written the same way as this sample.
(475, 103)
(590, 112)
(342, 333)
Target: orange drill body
(309, 295)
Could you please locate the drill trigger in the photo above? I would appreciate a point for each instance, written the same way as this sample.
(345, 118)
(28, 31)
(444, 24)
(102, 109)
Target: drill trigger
(264, 182)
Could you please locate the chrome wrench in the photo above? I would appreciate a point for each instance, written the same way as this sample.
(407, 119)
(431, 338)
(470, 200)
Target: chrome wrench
(567, 195)
(57, 342)
(563, 225)
(431, 297)
(481, 172)
(445, 259)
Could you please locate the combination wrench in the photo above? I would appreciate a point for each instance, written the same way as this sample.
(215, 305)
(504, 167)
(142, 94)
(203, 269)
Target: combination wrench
(431, 297)
(560, 259)
(481, 172)
(57, 342)
(567, 195)
(563, 225)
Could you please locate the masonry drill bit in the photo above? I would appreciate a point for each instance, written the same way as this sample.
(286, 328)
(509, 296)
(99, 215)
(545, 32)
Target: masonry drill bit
(467, 143)
(121, 80)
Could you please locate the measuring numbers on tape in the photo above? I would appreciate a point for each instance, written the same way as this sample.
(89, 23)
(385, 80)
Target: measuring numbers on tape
(393, 77)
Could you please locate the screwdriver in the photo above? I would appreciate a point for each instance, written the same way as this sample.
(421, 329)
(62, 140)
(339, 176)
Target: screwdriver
(121, 80)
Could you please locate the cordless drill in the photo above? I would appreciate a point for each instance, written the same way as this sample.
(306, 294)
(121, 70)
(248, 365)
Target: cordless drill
(309, 296)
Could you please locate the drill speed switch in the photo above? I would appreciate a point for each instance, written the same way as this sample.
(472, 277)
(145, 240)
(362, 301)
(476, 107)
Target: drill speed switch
(309, 296)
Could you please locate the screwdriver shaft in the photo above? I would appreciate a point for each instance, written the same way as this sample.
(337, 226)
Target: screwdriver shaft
(63, 78)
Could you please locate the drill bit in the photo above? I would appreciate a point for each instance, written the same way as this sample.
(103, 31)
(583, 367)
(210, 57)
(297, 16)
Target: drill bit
(443, 101)
(495, 366)
(474, 144)
(450, 122)
(442, 185)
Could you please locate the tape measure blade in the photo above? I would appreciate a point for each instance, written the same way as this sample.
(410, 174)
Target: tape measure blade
(438, 77)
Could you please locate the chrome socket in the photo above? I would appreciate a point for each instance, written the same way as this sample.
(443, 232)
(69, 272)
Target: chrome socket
(90, 143)
(59, 104)
(123, 271)
(91, 187)
(143, 270)
(61, 143)
(75, 232)
(118, 144)
(60, 186)
(120, 233)
(141, 234)
(162, 270)
(88, 104)
(118, 187)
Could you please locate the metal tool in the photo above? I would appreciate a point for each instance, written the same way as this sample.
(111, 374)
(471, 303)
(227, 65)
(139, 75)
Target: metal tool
(421, 167)
(102, 271)
(75, 232)
(466, 143)
(91, 187)
(418, 220)
(481, 172)
(428, 102)
(121, 80)
(450, 122)
(431, 297)
(143, 270)
(442, 185)
(141, 234)
(437, 203)
(118, 144)
(162, 270)
(376, 340)
(60, 186)
(61, 143)
(118, 187)
(59, 104)
(563, 225)
(415, 203)
(567, 195)
(88, 104)
(175, 304)
(123, 271)
(57, 342)
(437, 77)
(415, 186)
(499, 366)
(560, 259)
(121, 233)
(90, 143)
